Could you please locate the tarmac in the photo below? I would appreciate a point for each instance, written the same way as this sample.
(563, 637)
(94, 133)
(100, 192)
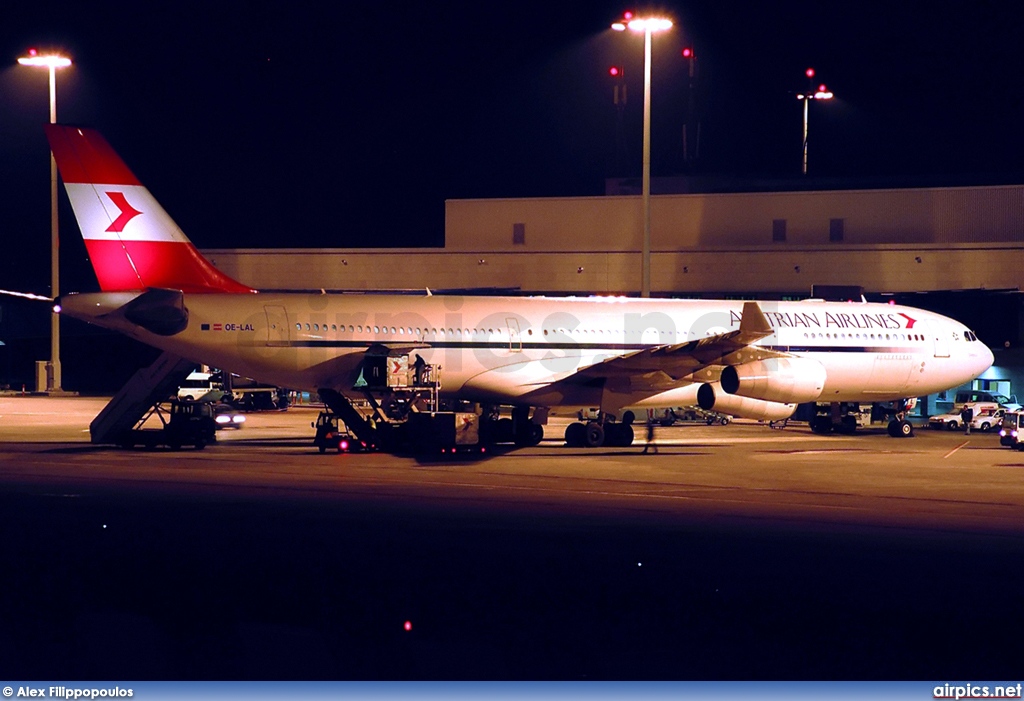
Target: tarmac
(735, 552)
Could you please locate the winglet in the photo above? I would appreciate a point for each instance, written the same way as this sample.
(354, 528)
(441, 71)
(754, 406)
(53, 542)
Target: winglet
(754, 321)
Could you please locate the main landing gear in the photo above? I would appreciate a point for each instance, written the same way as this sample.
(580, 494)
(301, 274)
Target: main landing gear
(594, 434)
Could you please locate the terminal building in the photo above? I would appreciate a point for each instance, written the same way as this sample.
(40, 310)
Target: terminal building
(956, 250)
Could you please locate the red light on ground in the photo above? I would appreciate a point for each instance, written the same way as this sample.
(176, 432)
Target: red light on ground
(687, 53)
(343, 445)
(407, 626)
(614, 71)
(809, 72)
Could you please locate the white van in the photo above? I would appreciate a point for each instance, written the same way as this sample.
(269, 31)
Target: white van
(201, 386)
(980, 398)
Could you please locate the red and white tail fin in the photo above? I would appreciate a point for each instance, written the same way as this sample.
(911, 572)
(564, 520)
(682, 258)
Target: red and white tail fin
(132, 242)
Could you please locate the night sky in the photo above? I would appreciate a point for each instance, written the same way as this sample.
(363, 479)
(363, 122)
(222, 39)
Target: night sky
(267, 124)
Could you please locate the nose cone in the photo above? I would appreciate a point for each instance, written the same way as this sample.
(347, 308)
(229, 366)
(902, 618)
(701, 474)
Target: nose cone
(985, 358)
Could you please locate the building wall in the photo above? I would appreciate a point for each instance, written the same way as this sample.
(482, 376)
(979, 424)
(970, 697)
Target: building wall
(892, 241)
(791, 270)
(927, 215)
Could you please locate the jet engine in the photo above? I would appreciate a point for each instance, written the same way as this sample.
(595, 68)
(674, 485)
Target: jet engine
(788, 380)
(710, 397)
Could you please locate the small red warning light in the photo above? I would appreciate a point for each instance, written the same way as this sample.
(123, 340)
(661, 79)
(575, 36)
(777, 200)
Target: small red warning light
(408, 625)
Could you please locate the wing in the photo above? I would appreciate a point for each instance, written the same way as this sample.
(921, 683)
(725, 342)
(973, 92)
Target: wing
(658, 368)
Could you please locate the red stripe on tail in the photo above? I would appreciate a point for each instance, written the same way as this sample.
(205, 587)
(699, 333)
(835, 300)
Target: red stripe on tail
(170, 264)
(84, 156)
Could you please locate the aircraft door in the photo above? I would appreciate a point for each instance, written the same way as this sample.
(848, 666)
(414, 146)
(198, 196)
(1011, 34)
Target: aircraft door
(938, 331)
(515, 341)
(278, 332)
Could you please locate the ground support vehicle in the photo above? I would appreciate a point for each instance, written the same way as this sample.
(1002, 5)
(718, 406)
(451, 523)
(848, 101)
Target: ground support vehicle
(182, 423)
(986, 417)
(1011, 430)
(695, 414)
(401, 412)
(333, 434)
(847, 417)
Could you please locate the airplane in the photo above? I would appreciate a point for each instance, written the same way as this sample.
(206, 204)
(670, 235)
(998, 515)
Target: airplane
(538, 355)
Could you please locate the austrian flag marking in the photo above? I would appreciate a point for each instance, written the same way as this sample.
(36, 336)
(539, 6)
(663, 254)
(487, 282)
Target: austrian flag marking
(127, 212)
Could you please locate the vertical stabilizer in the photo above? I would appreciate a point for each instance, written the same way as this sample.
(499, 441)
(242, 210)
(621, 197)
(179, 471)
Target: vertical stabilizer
(132, 242)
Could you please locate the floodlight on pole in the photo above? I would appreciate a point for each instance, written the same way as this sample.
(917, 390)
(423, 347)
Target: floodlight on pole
(646, 25)
(822, 93)
(52, 62)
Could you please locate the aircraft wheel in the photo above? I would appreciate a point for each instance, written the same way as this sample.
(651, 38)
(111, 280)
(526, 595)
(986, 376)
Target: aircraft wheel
(575, 434)
(613, 434)
(623, 436)
(905, 429)
(594, 435)
(628, 418)
(533, 435)
(504, 431)
(821, 424)
(725, 420)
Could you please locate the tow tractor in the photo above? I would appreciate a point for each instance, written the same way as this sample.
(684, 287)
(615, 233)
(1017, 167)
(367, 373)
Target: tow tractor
(332, 433)
(847, 417)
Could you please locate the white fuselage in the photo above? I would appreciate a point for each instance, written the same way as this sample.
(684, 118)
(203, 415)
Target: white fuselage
(515, 349)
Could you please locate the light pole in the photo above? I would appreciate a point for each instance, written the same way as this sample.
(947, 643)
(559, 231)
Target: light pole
(648, 26)
(52, 62)
(820, 94)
